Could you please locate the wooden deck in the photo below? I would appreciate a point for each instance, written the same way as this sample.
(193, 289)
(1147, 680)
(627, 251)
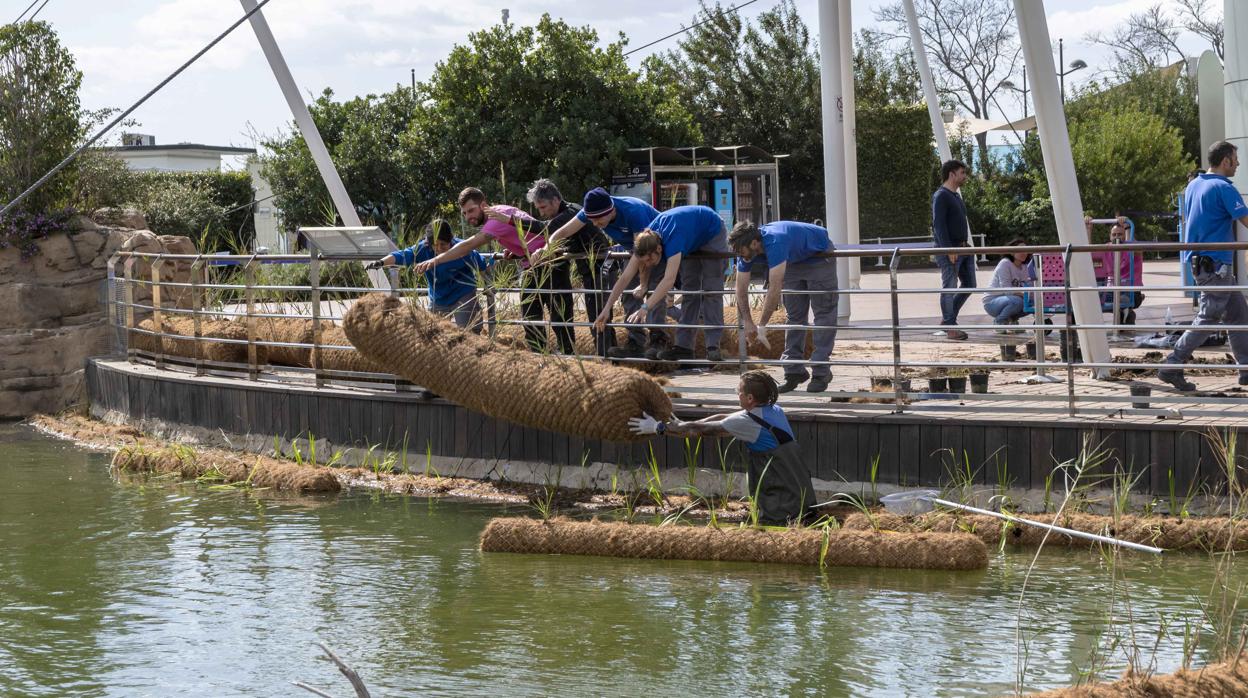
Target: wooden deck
(840, 441)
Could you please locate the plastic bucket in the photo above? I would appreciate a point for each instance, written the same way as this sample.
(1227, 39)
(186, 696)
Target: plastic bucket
(911, 502)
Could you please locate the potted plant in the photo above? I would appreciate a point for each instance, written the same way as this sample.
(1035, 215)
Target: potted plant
(979, 380)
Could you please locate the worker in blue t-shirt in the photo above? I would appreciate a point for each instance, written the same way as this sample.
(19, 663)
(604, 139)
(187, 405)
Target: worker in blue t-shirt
(790, 251)
(670, 239)
(786, 493)
(621, 218)
(452, 285)
(1212, 205)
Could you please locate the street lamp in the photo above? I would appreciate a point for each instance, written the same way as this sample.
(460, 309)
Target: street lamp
(1075, 65)
(1009, 85)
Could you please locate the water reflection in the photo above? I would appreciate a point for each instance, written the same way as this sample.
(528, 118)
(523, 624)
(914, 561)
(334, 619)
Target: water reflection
(154, 587)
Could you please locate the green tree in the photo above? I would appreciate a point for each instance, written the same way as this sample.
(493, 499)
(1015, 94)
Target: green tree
(1128, 160)
(40, 115)
(755, 84)
(883, 78)
(513, 104)
(1167, 93)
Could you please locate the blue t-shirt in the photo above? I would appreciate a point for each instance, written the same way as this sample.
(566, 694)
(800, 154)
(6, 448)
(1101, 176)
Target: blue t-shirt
(450, 282)
(632, 215)
(751, 433)
(789, 241)
(685, 229)
(1211, 206)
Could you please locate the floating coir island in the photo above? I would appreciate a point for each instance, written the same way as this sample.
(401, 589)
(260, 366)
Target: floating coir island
(831, 548)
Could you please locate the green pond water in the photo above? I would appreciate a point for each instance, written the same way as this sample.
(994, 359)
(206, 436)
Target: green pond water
(151, 587)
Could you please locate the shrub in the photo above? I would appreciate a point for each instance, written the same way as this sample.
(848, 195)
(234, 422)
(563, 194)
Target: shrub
(25, 230)
(897, 167)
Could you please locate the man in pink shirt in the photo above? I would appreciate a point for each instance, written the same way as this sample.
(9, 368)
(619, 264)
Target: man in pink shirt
(504, 224)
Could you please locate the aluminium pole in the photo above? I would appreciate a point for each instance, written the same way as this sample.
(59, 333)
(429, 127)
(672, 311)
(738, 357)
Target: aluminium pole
(307, 127)
(1235, 20)
(845, 20)
(833, 142)
(1059, 166)
(929, 86)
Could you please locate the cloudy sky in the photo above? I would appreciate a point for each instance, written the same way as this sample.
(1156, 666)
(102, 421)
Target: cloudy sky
(360, 46)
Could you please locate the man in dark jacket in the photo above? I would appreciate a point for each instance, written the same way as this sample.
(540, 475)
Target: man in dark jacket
(950, 229)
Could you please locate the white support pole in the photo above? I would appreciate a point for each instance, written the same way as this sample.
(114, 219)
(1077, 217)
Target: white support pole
(929, 85)
(307, 127)
(833, 140)
(846, 25)
(1235, 19)
(1059, 165)
(1210, 88)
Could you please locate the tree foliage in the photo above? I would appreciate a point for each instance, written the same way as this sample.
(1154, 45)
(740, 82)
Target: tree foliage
(758, 84)
(1167, 93)
(1150, 39)
(40, 115)
(512, 105)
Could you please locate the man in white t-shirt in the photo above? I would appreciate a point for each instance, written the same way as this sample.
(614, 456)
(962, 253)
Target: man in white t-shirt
(786, 494)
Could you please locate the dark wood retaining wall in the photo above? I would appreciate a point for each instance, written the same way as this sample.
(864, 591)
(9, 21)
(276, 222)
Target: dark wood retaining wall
(912, 449)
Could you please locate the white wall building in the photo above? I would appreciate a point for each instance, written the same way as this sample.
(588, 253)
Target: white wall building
(140, 153)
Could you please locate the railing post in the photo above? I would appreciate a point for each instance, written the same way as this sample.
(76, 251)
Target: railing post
(127, 294)
(1117, 294)
(892, 294)
(157, 315)
(197, 307)
(249, 279)
(392, 273)
(1039, 321)
(314, 282)
(114, 314)
(1069, 339)
(879, 261)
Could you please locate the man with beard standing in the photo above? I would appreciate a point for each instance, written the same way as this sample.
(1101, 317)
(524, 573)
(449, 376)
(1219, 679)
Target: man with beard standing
(520, 235)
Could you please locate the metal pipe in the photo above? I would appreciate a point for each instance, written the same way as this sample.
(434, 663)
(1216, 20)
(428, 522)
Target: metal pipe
(849, 103)
(1059, 167)
(1056, 529)
(833, 140)
(892, 282)
(929, 86)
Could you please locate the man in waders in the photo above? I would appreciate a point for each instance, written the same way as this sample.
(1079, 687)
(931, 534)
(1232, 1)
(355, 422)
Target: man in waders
(786, 493)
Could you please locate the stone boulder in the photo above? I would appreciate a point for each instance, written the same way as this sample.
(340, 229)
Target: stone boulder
(131, 218)
(55, 314)
(173, 270)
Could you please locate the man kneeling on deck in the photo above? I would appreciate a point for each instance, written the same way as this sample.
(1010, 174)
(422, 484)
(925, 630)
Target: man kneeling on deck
(786, 494)
(790, 250)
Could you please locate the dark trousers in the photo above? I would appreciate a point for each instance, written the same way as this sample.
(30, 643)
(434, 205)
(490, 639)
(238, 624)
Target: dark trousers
(953, 274)
(592, 278)
(548, 277)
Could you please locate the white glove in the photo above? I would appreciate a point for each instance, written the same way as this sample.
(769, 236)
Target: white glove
(760, 334)
(645, 424)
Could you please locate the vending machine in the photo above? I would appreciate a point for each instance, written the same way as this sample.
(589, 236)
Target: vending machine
(722, 199)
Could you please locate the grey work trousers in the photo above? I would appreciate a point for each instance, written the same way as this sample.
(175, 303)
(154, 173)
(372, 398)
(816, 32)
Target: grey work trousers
(695, 308)
(1216, 307)
(818, 275)
(465, 311)
(637, 335)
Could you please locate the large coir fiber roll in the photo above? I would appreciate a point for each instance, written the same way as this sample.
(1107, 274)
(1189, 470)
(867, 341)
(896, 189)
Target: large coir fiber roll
(1223, 680)
(938, 551)
(582, 398)
(185, 326)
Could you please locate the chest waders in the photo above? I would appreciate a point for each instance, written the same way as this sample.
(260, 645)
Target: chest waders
(786, 493)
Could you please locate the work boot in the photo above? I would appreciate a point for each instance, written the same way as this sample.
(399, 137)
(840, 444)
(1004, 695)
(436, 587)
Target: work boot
(653, 349)
(955, 334)
(713, 355)
(1174, 376)
(630, 350)
(791, 382)
(676, 354)
(818, 384)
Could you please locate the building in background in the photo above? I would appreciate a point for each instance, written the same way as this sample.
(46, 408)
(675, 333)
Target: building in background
(141, 154)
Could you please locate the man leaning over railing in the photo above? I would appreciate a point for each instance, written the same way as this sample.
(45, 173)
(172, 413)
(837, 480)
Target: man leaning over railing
(621, 218)
(791, 251)
(670, 239)
(505, 224)
(452, 286)
(1212, 205)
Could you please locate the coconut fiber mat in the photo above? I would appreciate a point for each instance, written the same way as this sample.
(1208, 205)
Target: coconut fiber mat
(833, 548)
